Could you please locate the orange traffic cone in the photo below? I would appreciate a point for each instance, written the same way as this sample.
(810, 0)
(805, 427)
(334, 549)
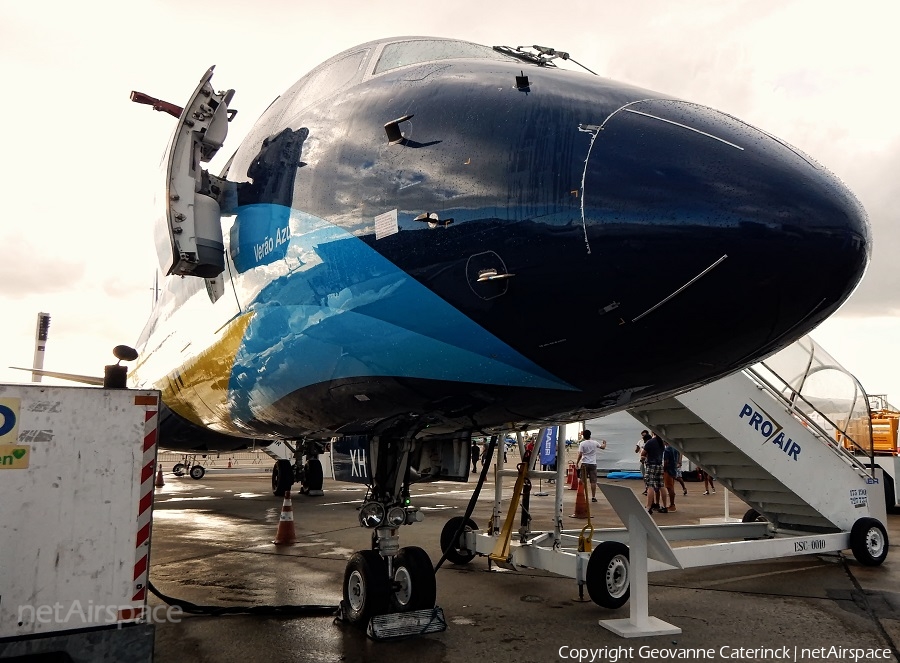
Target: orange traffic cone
(160, 482)
(286, 534)
(581, 508)
(573, 477)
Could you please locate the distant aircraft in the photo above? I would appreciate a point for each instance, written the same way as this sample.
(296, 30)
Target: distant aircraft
(425, 238)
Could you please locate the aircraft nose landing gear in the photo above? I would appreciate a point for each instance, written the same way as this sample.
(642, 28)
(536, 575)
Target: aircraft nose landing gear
(389, 589)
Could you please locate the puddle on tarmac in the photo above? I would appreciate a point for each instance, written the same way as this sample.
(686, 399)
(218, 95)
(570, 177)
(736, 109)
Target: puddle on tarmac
(343, 553)
(188, 499)
(173, 486)
(203, 525)
(249, 495)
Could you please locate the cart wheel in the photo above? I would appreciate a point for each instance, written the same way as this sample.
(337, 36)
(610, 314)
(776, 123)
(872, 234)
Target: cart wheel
(197, 472)
(608, 581)
(869, 541)
(178, 469)
(282, 477)
(414, 584)
(366, 587)
(454, 553)
(753, 516)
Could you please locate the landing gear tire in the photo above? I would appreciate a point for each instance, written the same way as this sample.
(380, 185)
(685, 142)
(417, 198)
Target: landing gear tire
(608, 579)
(869, 541)
(314, 474)
(753, 516)
(414, 584)
(282, 477)
(366, 587)
(455, 554)
(197, 472)
(178, 469)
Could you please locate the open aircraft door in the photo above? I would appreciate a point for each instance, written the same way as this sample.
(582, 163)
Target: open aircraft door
(189, 233)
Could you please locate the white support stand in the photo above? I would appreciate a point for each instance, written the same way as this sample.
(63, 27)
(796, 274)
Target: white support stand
(727, 518)
(644, 540)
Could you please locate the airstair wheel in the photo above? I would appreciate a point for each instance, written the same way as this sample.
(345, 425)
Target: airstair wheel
(869, 541)
(608, 575)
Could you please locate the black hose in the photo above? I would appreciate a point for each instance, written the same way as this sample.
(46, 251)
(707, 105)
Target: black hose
(471, 506)
(216, 611)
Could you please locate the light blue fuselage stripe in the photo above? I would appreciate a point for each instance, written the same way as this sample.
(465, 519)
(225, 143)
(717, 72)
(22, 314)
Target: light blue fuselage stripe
(330, 307)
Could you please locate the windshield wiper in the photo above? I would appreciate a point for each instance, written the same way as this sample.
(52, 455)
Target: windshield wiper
(542, 56)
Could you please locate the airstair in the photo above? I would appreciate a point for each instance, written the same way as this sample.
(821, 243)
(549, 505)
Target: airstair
(778, 435)
(777, 450)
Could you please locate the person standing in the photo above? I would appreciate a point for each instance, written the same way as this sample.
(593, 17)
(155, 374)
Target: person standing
(476, 454)
(587, 457)
(670, 471)
(639, 449)
(708, 483)
(679, 477)
(653, 458)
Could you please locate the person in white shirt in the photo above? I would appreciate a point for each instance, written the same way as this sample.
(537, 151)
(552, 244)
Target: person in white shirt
(587, 456)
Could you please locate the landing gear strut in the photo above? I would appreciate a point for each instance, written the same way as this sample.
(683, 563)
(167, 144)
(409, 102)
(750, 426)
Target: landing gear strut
(389, 583)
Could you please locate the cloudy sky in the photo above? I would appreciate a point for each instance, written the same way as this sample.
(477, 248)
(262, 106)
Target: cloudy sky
(79, 163)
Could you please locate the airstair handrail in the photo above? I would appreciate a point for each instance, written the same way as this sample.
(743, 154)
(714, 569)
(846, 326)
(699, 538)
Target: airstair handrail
(811, 424)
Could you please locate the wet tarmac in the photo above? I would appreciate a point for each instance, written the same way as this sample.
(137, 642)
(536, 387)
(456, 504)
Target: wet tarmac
(212, 545)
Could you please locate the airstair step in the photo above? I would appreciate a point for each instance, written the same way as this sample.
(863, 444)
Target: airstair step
(752, 473)
(701, 445)
(666, 404)
(688, 431)
(657, 418)
(782, 497)
(768, 485)
(720, 459)
(805, 522)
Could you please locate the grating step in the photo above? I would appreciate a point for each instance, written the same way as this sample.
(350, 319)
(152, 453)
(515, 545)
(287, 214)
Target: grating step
(406, 624)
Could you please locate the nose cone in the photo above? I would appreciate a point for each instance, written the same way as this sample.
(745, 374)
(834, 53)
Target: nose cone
(724, 227)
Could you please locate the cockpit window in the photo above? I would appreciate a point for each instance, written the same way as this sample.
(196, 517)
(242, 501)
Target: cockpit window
(325, 81)
(402, 53)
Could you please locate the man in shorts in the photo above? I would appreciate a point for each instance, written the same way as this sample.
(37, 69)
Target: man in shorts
(653, 463)
(587, 457)
(670, 471)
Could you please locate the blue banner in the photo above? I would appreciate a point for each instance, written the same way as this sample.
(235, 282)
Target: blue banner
(548, 446)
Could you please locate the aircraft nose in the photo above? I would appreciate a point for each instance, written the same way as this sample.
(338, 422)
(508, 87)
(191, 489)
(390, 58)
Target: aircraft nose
(725, 219)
